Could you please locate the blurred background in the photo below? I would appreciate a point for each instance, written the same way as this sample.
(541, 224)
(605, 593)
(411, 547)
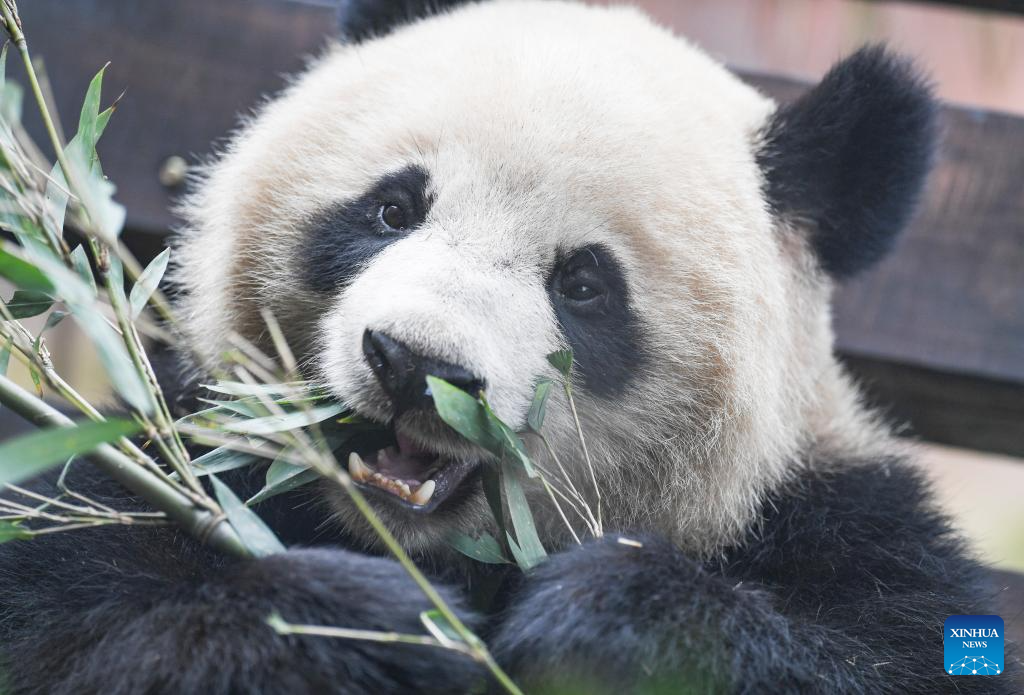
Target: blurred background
(936, 333)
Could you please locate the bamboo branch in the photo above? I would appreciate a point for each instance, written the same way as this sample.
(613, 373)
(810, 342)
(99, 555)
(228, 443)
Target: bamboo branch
(198, 521)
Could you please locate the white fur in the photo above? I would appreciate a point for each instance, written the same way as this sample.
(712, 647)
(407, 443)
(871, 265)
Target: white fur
(544, 126)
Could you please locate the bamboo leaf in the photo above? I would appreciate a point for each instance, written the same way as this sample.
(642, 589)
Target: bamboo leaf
(562, 361)
(275, 392)
(5, 356)
(87, 126)
(220, 460)
(529, 545)
(55, 198)
(538, 408)
(491, 480)
(147, 283)
(11, 98)
(52, 320)
(11, 531)
(483, 549)
(439, 627)
(288, 421)
(465, 414)
(23, 274)
(96, 193)
(283, 477)
(26, 303)
(512, 444)
(83, 267)
(79, 298)
(255, 534)
(517, 552)
(31, 454)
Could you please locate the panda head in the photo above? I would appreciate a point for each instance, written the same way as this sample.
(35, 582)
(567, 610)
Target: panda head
(474, 190)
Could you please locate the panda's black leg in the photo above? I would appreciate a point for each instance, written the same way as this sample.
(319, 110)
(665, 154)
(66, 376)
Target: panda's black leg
(123, 611)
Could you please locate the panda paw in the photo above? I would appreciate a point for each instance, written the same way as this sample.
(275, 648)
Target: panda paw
(612, 614)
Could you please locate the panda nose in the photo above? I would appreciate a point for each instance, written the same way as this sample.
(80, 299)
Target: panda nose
(402, 372)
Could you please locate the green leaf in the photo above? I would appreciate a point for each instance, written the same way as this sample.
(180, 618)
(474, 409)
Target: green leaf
(87, 126)
(11, 98)
(147, 283)
(562, 361)
(220, 460)
(52, 320)
(255, 535)
(531, 549)
(95, 192)
(250, 408)
(283, 477)
(535, 418)
(5, 356)
(274, 392)
(439, 627)
(491, 479)
(23, 274)
(465, 414)
(483, 549)
(26, 303)
(288, 421)
(512, 445)
(11, 531)
(55, 199)
(517, 553)
(33, 453)
(83, 267)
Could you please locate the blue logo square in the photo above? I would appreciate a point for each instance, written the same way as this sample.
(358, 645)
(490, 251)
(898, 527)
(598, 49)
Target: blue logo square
(973, 645)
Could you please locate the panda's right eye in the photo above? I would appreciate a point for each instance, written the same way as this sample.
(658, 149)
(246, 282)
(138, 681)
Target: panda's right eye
(393, 217)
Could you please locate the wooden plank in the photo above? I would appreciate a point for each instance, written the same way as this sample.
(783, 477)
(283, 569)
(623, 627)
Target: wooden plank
(947, 302)
(1005, 6)
(188, 68)
(945, 408)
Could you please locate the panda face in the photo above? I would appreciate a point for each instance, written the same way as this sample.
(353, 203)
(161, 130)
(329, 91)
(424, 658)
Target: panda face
(478, 190)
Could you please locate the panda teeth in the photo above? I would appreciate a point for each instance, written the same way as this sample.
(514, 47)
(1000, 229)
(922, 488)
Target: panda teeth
(423, 493)
(361, 473)
(357, 469)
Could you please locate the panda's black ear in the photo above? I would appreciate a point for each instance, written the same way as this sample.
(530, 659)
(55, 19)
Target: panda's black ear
(849, 158)
(364, 19)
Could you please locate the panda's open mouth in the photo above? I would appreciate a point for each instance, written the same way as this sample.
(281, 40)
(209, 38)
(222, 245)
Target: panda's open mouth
(403, 472)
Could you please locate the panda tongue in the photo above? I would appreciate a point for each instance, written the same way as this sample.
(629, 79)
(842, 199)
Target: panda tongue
(406, 461)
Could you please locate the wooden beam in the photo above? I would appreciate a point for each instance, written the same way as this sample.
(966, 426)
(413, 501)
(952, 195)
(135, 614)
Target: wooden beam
(1005, 6)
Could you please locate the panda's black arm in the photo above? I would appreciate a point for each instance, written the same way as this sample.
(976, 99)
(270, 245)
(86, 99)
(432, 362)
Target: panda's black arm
(844, 589)
(123, 610)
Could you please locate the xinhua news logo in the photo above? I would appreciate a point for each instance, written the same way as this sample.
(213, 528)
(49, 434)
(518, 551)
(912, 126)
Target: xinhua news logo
(973, 645)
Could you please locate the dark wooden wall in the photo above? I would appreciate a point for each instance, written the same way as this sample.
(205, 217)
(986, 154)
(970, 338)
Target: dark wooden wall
(936, 332)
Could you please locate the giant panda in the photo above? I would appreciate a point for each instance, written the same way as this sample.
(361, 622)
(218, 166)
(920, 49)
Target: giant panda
(460, 191)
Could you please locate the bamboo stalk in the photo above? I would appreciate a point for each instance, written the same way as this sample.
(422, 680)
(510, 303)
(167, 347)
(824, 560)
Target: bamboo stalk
(198, 521)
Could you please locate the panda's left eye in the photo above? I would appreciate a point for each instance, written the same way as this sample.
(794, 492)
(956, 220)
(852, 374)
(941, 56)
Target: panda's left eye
(393, 217)
(579, 284)
(581, 292)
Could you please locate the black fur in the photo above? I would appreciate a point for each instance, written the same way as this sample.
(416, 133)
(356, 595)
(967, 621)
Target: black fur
(341, 240)
(843, 587)
(606, 335)
(363, 19)
(850, 157)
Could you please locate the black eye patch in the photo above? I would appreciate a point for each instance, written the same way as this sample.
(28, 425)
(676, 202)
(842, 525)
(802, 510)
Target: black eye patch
(343, 238)
(591, 299)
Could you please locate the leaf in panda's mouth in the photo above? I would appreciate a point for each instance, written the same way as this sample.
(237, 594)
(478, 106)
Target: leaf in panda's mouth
(413, 475)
